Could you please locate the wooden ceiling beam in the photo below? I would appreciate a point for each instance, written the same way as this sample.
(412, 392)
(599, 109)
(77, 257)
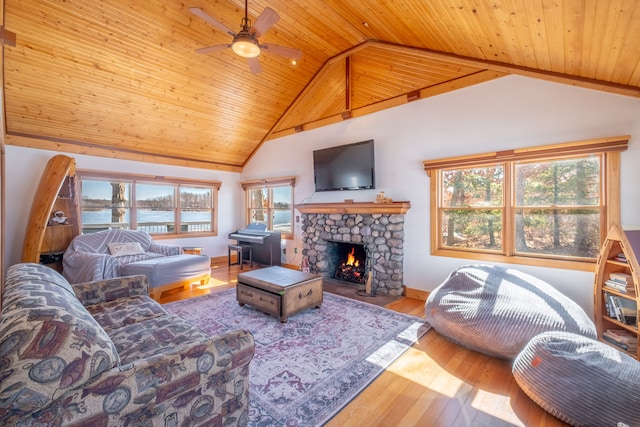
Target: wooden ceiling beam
(479, 77)
(114, 153)
(492, 70)
(519, 70)
(347, 78)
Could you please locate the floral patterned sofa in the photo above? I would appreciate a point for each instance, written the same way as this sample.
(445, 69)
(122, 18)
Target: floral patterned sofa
(104, 353)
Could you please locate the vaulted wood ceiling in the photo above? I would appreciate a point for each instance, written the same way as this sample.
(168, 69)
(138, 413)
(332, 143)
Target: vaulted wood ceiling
(121, 78)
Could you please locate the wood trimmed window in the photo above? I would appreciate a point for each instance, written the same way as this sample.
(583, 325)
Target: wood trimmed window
(270, 201)
(164, 207)
(547, 206)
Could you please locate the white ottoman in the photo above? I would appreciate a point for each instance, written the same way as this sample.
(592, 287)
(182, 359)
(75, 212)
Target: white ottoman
(170, 272)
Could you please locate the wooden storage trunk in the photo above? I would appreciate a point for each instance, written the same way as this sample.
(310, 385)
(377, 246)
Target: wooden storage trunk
(279, 291)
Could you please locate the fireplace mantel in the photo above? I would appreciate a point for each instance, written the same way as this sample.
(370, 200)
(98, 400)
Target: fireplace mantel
(395, 208)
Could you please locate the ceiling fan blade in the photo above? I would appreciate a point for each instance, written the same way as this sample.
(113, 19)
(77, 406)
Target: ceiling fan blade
(219, 25)
(254, 65)
(210, 49)
(288, 52)
(266, 20)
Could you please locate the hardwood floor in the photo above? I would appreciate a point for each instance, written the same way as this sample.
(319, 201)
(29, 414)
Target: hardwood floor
(435, 383)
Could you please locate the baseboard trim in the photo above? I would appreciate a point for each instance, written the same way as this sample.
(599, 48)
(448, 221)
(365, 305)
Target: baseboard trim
(416, 294)
(221, 260)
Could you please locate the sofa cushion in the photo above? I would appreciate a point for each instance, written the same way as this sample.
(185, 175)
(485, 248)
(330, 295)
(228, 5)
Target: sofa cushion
(581, 381)
(49, 343)
(125, 311)
(169, 269)
(496, 310)
(99, 291)
(154, 336)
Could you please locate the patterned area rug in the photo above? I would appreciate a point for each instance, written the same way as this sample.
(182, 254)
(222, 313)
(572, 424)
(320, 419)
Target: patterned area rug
(306, 370)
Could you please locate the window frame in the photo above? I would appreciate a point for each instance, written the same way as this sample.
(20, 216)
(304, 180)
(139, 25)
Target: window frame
(610, 148)
(177, 183)
(270, 184)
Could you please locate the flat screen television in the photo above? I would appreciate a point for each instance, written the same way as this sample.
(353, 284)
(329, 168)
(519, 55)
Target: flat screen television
(345, 167)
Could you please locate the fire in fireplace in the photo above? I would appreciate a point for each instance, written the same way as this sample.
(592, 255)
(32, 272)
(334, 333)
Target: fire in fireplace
(351, 263)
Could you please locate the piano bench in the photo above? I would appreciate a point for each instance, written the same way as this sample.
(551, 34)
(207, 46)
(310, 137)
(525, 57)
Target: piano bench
(241, 249)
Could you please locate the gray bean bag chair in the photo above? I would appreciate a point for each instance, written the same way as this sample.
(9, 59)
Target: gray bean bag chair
(579, 380)
(496, 310)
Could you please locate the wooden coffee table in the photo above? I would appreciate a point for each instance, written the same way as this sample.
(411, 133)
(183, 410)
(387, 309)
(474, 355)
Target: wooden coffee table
(279, 291)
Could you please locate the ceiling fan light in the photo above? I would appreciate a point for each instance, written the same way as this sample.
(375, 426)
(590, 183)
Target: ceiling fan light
(245, 46)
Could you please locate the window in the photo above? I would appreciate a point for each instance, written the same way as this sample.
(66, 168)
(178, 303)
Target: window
(548, 205)
(270, 201)
(160, 206)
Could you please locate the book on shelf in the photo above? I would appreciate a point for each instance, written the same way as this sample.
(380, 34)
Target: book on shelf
(616, 307)
(623, 346)
(622, 339)
(619, 286)
(607, 306)
(621, 335)
(629, 316)
(621, 277)
(621, 257)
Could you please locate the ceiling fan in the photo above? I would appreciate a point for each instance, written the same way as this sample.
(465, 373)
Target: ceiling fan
(245, 43)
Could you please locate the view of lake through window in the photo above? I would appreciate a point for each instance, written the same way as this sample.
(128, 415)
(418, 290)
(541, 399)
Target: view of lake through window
(108, 205)
(270, 202)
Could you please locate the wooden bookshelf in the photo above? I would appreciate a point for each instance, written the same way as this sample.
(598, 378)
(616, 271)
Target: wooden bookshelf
(618, 242)
(45, 241)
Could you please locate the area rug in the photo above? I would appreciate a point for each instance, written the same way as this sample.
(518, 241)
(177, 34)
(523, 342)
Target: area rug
(306, 370)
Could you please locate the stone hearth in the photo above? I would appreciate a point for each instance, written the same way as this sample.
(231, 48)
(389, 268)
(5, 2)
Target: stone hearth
(381, 233)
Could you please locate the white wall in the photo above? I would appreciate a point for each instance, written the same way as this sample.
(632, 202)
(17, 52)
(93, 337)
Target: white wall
(511, 112)
(24, 167)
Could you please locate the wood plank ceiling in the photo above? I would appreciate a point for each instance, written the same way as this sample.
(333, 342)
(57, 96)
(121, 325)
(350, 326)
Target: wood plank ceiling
(120, 78)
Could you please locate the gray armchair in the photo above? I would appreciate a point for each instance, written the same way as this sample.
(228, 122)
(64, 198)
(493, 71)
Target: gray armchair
(89, 257)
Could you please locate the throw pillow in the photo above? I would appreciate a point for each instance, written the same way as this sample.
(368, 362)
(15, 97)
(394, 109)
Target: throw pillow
(124, 249)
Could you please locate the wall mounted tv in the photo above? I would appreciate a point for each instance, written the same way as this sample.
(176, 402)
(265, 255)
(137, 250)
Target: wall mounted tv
(345, 167)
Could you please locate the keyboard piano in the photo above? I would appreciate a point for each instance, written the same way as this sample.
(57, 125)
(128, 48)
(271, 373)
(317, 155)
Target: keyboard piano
(265, 244)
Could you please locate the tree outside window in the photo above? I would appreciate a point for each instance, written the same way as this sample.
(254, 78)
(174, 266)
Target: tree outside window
(530, 206)
(270, 202)
(105, 205)
(473, 207)
(196, 205)
(558, 207)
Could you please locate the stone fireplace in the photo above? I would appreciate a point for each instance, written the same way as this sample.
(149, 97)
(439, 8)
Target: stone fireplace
(375, 228)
